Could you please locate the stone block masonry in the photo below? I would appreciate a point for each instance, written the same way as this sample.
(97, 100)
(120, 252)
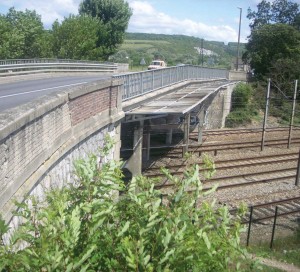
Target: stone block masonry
(40, 140)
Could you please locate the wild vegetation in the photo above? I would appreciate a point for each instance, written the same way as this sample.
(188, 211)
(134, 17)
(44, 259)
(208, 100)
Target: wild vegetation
(243, 108)
(89, 227)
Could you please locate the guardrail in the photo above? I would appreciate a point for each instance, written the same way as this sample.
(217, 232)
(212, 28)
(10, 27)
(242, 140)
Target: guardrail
(136, 84)
(26, 66)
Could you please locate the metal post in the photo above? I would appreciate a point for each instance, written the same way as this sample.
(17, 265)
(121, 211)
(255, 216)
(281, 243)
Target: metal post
(292, 115)
(202, 53)
(152, 80)
(250, 223)
(298, 171)
(238, 46)
(266, 115)
(274, 225)
(142, 83)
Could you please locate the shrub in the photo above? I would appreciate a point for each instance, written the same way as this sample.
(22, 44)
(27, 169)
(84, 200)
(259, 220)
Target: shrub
(243, 108)
(86, 227)
(241, 96)
(238, 118)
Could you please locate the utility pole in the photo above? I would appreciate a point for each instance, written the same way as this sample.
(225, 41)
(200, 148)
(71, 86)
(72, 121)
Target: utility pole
(293, 113)
(266, 116)
(238, 46)
(202, 41)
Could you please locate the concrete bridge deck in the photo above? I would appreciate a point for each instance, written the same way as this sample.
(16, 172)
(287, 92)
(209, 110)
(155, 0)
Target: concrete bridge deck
(180, 101)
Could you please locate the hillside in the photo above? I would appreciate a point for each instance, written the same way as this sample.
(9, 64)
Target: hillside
(175, 49)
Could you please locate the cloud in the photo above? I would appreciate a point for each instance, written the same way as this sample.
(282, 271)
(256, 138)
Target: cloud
(146, 19)
(49, 10)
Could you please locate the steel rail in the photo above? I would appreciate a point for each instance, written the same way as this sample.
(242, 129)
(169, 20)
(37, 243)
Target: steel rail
(244, 176)
(241, 131)
(178, 166)
(173, 150)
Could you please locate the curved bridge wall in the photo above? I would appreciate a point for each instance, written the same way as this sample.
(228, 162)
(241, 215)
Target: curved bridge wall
(40, 140)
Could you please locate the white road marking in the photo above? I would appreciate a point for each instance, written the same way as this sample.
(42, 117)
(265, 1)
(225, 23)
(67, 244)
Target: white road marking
(41, 90)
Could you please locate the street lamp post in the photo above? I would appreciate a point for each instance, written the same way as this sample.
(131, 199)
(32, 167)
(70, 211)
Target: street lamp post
(238, 46)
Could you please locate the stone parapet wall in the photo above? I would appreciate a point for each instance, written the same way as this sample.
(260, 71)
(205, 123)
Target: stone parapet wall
(238, 75)
(217, 107)
(40, 140)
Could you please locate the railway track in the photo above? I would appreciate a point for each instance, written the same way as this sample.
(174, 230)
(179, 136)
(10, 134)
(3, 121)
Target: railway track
(243, 175)
(284, 169)
(241, 180)
(222, 132)
(226, 163)
(216, 147)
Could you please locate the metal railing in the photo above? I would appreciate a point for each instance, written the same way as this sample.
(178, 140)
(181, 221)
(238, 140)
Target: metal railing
(25, 66)
(136, 84)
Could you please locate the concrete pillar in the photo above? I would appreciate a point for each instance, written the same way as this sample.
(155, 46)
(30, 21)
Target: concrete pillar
(200, 126)
(146, 141)
(134, 163)
(186, 135)
(169, 136)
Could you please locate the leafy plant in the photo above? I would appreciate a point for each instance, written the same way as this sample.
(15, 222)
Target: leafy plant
(89, 227)
(243, 108)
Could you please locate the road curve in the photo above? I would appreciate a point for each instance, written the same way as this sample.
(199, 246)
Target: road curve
(13, 94)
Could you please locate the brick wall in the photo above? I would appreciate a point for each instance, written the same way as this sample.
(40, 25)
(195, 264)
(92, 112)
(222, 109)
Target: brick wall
(90, 104)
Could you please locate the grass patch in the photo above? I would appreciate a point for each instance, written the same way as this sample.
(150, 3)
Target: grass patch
(285, 249)
(145, 42)
(130, 46)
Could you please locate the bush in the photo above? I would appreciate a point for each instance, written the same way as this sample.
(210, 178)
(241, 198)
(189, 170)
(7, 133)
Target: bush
(241, 96)
(243, 107)
(238, 118)
(86, 227)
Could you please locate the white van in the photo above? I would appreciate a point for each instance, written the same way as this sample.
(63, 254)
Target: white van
(157, 64)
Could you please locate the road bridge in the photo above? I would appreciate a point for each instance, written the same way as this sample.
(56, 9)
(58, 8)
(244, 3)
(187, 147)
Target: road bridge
(193, 105)
(40, 140)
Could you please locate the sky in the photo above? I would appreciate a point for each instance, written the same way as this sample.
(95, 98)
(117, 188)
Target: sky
(212, 20)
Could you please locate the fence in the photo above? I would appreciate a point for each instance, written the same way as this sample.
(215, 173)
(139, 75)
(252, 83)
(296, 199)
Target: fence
(26, 66)
(265, 212)
(136, 84)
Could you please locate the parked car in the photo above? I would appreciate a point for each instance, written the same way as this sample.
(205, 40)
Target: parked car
(157, 64)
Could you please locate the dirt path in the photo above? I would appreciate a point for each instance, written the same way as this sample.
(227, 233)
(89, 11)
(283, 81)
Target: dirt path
(280, 265)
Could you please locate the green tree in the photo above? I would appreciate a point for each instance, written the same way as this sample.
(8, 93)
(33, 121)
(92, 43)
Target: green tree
(278, 11)
(76, 37)
(45, 42)
(89, 228)
(25, 32)
(5, 31)
(269, 43)
(114, 16)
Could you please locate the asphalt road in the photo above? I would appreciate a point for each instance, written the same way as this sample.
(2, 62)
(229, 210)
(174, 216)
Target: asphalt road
(17, 93)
